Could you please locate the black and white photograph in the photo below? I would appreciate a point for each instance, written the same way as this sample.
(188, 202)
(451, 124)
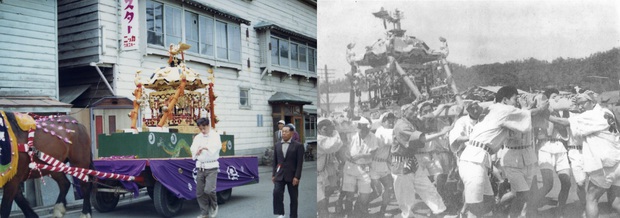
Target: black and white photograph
(468, 108)
(158, 108)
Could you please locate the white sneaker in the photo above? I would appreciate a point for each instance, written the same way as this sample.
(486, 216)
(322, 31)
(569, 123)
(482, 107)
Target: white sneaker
(280, 216)
(213, 213)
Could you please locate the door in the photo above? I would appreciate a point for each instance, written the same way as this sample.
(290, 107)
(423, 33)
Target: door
(299, 127)
(98, 128)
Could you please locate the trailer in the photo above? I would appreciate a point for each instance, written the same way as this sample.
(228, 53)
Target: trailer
(158, 153)
(168, 181)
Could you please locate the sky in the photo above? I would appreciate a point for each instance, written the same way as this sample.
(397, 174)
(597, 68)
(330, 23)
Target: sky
(478, 32)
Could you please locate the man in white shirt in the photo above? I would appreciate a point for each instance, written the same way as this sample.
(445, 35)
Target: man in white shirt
(463, 127)
(601, 149)
(460, 134)
(206, 151)
(329, 143)
(380, 174)
(552, 157)
(486, 139)
(407, 174)
(357, 167)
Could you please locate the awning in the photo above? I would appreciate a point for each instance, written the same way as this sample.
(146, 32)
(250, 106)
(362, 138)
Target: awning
(68, 94)
(216, 11)
(113, 102)
(283, 97)
(40, 104)
(268, 25)
(310, 109)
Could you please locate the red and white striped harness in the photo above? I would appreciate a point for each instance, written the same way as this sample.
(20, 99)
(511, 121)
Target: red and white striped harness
(57, 166)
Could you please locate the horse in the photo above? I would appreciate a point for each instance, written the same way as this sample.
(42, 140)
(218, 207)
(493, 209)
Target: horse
(61, 138)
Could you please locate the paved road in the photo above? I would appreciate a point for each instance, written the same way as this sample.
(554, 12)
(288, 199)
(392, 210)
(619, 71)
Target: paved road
(246, 201)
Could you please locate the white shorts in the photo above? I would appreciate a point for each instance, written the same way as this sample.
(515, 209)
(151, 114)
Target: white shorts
(356, 177)
(606, 177)
(520, 178)
(576, 165)
(556, 161)
(379, 170)
(476, 181)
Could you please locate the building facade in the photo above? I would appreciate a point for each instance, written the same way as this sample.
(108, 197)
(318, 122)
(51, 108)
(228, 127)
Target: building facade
(255, 48)
(81, 57)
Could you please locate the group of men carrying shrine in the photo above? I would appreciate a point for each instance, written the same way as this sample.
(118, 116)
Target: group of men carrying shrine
(509, 141)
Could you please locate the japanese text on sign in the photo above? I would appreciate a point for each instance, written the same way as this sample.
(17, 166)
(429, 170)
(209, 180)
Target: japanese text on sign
(129, 26)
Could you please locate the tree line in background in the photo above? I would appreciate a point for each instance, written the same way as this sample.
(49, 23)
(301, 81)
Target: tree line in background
(598, 72)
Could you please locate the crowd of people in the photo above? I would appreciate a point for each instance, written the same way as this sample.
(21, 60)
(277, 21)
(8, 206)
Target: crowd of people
(483, 163)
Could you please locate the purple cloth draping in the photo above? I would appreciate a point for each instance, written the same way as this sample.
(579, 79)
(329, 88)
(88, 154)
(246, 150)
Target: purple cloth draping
(236, 171)
(176, 174)
(131, 167)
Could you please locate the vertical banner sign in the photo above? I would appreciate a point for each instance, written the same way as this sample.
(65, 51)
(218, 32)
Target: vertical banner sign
(130, 23)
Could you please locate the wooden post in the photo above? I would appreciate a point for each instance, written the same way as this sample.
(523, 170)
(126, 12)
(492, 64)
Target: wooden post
(408, 81)
(459, 100)
(136, 106)
(173, 102)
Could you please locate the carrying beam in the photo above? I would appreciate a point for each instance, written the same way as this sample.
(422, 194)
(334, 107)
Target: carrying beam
(407, 80)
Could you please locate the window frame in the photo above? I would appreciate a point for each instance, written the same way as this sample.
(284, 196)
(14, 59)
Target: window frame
(311, 120)
(248, 101)
(197, 55)
(290, 43)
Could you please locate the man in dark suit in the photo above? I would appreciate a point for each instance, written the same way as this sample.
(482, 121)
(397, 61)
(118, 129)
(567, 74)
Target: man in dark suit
(287, 164)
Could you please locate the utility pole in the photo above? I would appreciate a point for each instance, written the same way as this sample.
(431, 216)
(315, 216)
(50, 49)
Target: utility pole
(327, 93)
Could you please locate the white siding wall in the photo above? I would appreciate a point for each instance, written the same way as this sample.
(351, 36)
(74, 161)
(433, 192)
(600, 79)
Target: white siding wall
(242, 123)
(78, 32)
(28, 46)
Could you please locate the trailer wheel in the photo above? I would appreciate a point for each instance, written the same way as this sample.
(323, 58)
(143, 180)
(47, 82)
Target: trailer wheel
(149, 190)
(104, 201)
(166, 203)
(223, 196)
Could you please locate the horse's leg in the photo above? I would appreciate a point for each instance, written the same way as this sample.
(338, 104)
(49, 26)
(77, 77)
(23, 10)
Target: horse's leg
(63, 189)
(86, 188)
(10, 190)
(23, 204)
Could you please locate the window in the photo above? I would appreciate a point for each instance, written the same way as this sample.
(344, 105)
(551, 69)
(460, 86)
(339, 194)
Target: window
(275, 58)
(244, 97)
(154, 23)
(295, 55)
(303, 63)
(222, 43)
(283, 53)
(310, 126)
(191, 31)
(111, 124)
(311, 60)
(172, 16)
(207, 35)
(234, 44)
